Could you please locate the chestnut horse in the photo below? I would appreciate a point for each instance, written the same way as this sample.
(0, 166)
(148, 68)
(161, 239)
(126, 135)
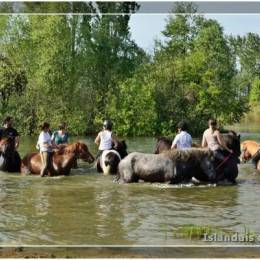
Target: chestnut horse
(62, 160)
(251, 150)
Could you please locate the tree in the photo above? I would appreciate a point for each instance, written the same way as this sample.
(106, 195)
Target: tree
(255, 91)
(13, 82)
(134, 112)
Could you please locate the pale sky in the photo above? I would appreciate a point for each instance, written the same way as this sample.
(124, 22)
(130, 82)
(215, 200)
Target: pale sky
(145, 28)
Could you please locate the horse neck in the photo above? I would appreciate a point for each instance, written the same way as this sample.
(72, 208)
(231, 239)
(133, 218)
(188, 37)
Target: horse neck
(173, 154)
(68, 160)
(252, 149)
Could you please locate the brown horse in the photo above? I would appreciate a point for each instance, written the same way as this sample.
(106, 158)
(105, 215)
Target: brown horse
(164, 144)
(62, 160)
(251, 150)
(10, 160)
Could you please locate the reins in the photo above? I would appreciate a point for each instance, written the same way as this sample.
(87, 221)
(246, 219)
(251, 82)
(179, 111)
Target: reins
(223, 161)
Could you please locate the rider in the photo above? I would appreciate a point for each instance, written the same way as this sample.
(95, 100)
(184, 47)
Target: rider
(105, 138)
(45, 145)
(60, 136)
(213, 140)
(183, 139)
(10, 132)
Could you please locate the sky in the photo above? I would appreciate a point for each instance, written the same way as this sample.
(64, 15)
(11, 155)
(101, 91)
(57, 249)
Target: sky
(145, 28)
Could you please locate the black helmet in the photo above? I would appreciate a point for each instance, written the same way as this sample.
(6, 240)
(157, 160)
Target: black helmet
(182, 125)
(107, 124)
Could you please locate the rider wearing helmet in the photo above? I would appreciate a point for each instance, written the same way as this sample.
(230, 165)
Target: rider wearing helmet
(105, 138)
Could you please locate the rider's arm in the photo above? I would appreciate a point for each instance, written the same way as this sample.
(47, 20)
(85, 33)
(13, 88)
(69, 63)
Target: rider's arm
(174, 143)
(204, 142)
(97, 140)
(114, 138)
(221, 142)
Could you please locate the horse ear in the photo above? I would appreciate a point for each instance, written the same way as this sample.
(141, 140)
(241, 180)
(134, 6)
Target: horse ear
(238, 137)
(124, 144)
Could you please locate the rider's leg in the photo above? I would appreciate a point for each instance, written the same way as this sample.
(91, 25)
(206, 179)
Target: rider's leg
(99, 153)
(44, 159)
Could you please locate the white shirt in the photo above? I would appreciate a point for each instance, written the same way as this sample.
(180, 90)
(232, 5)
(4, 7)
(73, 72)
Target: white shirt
(105, 140)
(42, 140)
(182, 140)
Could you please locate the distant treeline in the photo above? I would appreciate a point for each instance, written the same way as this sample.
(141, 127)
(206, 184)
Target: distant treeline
(81, 69)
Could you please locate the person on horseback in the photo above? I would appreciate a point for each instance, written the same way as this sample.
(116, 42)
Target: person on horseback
(60, 136)
(213, 140)
(183, 139)
(105, 138)
(45, 145)
(10, 132)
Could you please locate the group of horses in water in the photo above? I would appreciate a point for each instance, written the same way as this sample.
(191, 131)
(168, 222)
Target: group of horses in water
(163, 165)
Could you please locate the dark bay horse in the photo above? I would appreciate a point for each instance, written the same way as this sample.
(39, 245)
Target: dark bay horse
(62, 160)
(109, 160)
(10, 160)
(226, 170)
(164, 144)
(251, 150)
(161, 167)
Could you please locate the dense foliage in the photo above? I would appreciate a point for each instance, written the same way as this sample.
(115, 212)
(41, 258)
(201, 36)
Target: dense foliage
(82, 69)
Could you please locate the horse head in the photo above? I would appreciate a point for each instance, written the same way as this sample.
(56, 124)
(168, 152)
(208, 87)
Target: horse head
(121, 148)
(82, 152)
(163, 144)
(232, 141)
(249, 149)
(6, 146)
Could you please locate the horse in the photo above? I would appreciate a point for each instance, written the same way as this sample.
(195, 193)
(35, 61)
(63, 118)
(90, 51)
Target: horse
(109, 159)
(225, 170)
(10, 160)
(162, 167)
(228, 169)
(251, 150)
(164, 144)
(62, 160)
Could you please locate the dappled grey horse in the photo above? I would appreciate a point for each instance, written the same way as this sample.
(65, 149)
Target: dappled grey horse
(162, 167)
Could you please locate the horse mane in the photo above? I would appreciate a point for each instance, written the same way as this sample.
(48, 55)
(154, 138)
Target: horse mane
(232, 132)
(190, 153)
(163, 138)
(63, 149)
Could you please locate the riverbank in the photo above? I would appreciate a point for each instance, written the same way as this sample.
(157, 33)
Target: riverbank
(130, 252)
(250, 122)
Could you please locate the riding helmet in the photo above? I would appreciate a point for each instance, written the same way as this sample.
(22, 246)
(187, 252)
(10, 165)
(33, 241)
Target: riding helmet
(107, 124)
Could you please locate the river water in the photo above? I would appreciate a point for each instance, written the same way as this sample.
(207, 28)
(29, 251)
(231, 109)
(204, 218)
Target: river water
(87, 208)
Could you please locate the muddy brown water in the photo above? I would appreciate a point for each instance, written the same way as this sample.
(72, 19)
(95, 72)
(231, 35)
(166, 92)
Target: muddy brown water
(87, 208)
